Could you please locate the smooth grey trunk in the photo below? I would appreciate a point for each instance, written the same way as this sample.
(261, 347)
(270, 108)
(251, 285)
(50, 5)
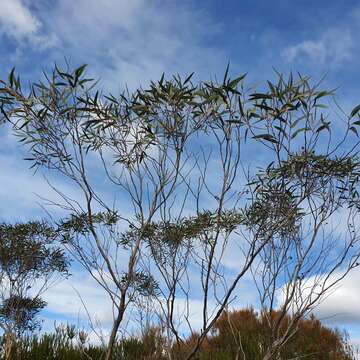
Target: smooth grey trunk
(115, 328)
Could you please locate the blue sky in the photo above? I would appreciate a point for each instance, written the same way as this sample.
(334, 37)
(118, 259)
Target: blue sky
(131, 42)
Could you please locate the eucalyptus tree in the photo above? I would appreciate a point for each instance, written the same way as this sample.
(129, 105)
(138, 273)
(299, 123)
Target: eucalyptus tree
(185, 189)
(30, 262)
(292, 219)
(311, 186)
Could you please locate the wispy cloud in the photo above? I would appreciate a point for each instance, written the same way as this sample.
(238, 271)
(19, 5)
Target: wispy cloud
(141, 39)
(21, 189)
(124, 42)
(79, 290)
(17, 20)
(342, 306)
(19, 23)
(332, 48)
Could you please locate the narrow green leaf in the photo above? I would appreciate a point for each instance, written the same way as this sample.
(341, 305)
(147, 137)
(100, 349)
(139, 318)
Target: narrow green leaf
(353, 129)
(226, 73)
(12, 76)
(188, 78)
(80, 70)
(323, 127)
(297, 132)
(266, 137)
(235, 82)
(355, 110)
(258, 96)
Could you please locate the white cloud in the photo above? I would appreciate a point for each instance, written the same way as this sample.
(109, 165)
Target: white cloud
(125, 42)
(339, 306)
(76, 291)
(332, 48)
(82, 298)
(315, 50)
(18, 22)
(342, 305)
(133, 42)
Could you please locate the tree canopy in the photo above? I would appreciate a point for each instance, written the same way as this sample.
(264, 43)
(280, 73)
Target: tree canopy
(30, 261)
(197, 173)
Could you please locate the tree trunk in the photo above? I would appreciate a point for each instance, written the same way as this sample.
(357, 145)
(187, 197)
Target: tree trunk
(9, 346)
(115, 328)
(272, 352)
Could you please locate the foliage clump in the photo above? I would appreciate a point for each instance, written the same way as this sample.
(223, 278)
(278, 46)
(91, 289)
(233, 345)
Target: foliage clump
(30, 261)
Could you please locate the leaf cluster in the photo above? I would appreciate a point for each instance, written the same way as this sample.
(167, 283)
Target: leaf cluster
(20, 312)
(28, 250)
(171, 235)
(80, 223)
(274, 210)
(142, 284)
